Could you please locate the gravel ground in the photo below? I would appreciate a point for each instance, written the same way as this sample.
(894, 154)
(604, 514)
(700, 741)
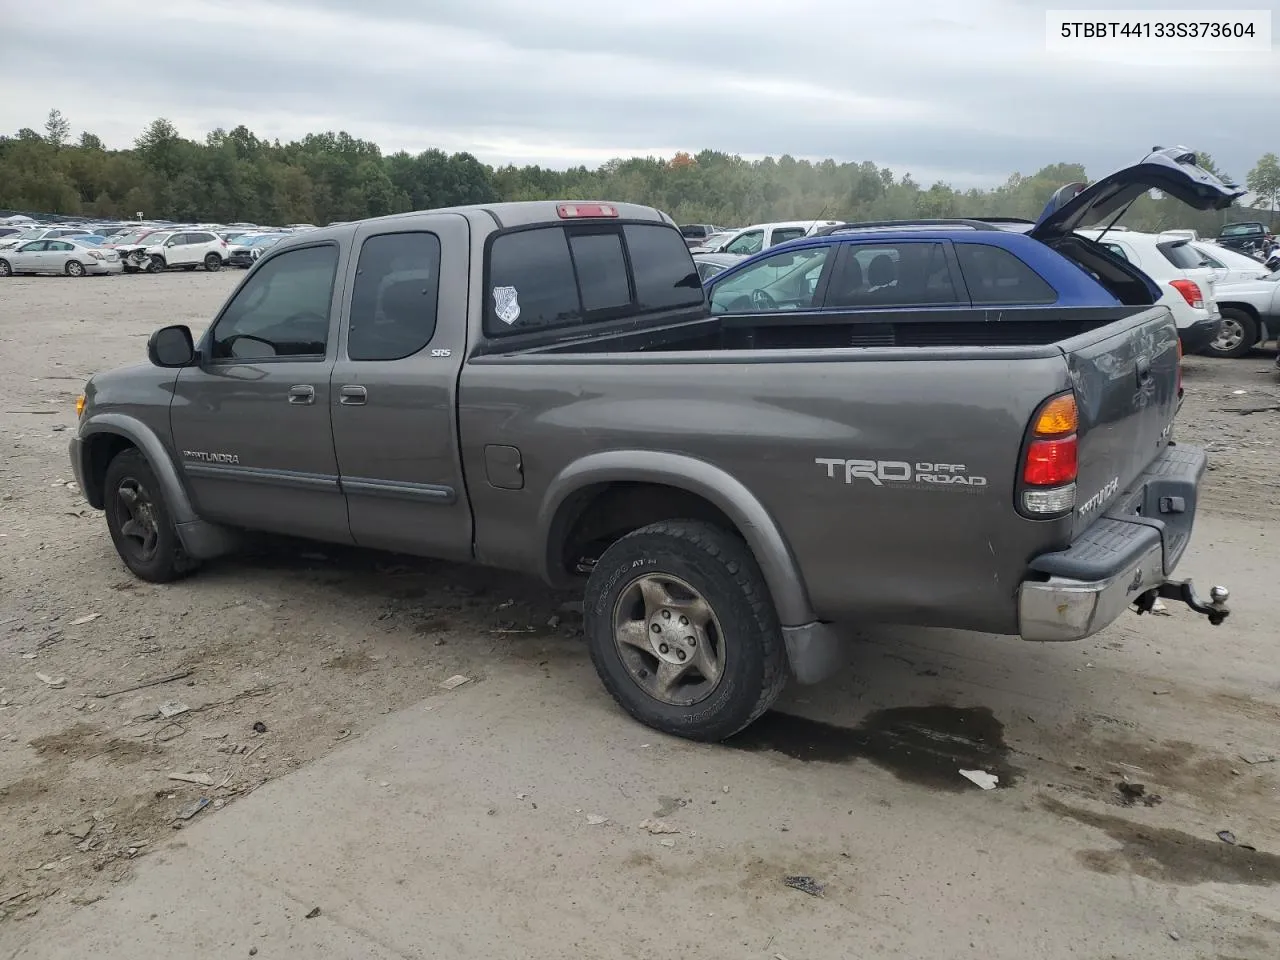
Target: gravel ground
(291, 649)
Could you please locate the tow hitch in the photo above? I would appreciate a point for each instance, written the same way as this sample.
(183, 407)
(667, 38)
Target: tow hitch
(1184, 590)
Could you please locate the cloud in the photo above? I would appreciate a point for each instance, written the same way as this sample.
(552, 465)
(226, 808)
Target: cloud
(960, 92)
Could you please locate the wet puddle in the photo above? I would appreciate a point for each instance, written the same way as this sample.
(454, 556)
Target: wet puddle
(924, 745)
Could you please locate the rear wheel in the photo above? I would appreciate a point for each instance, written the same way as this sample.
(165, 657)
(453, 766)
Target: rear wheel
(682, 630)
(139, 521)
(1236, 337)
(5, 269)
(212, 262)
(74, 268)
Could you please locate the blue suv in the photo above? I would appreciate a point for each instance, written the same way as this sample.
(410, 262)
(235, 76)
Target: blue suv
(925, 268)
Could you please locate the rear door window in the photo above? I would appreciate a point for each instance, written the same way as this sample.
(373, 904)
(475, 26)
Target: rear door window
(892, 274)
(994, 275)
(393, 301)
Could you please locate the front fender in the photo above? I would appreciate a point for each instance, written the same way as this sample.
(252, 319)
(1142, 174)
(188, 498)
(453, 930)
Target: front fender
(729, 495)
(151, 447)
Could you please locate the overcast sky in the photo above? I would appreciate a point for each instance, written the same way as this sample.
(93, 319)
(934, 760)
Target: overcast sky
(963, 91)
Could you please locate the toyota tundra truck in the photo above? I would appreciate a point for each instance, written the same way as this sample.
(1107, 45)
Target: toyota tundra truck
(543, 387)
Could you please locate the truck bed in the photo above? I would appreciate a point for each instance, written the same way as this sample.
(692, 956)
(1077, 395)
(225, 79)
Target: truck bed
(1023, 327)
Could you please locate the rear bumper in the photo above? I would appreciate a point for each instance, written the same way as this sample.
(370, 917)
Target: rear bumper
(1129, 552)
(1200, 334)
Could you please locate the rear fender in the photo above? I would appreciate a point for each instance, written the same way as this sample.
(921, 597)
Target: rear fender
(749, 516)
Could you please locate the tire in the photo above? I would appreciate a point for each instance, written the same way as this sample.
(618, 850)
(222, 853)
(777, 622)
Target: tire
(5, 269)
(212, 262)
(747, 640)
(130, 268)
(75, 268)
(156, 264)
(1237, 336)
(142, 528)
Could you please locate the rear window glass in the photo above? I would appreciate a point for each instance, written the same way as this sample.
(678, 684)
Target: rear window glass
(994, 275)
(787, 233)
(694, 231)
(556, 277)
(664, 270)
(602, 270)
(1240, 230)
(1181, 255)
(531, 282)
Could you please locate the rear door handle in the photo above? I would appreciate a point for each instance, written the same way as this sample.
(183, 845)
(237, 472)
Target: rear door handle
(352, 395)
(302, 393)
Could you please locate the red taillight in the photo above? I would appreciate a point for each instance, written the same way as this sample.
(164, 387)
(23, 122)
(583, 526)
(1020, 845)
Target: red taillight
(1051, 463)
(571, 211)
(1190, 291)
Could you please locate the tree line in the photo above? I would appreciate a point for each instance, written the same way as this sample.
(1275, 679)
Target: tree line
(235, 175)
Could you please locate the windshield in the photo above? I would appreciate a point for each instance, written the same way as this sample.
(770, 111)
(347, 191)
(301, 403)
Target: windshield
(89, 241)
(1239, 229)
(37, 234)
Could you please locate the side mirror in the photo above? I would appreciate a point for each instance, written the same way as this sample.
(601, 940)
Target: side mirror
(171, 347)
(171, 242)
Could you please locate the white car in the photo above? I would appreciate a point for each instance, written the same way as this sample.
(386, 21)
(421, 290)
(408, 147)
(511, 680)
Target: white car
(41, 233)
(1186, 282)
(63, 255)
(762, 236)
(187, 249)
(1229, 265)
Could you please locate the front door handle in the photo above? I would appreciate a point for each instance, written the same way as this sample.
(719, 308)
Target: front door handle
(352, 395)
(303, 393)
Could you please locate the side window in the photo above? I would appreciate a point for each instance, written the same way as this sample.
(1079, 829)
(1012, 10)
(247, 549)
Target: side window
(748, 243)
(663, 268)
(199, 238)
(531, 282)
(1116, 249)
(601, 269)
(35, 246)
(892, 274)
(61, 246)
(393, 301)
(994, 275)
(1210, 259)
(783, 234)
(282, 311)
(784, 281)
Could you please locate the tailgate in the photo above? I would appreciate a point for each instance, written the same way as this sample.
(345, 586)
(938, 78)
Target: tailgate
(1126, 388)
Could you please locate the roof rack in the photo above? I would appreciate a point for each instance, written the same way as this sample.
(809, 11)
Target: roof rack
(971, 223)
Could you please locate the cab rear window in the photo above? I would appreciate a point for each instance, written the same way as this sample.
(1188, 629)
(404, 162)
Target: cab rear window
(560, 276)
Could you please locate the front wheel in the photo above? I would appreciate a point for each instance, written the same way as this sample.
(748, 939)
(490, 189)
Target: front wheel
(212, 262)
(156, 264)
(139, 522)
(682, 630)
(1236, 336)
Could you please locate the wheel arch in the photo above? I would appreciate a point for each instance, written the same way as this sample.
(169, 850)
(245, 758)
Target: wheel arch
(697, 487)
(105, 435)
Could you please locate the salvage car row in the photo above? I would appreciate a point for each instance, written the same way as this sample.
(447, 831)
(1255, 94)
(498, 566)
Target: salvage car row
(78, 251)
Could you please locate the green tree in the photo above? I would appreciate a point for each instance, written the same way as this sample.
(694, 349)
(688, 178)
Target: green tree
(57, 128)
(1264, 180)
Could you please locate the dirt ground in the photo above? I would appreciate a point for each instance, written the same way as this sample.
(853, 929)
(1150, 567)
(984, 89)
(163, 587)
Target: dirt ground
(258, 665)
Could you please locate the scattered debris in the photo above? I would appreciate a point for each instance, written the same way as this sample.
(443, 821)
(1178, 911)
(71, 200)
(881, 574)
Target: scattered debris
(1226, 836)
(987, 781)
(666, 843)
(1258, 757)
(343, 734)
(253, 951)
(553, 621)
(1160, 607)
(195, 808)
(805, 885)
(28, 656)
(259, 727)
(1160, 693)
(1131, 792)
(505, 604)
(1173, 935)
(454, 682)
(725, 789)
(595, 820)
(167, 678)
(56, 682)
(522, 796)
(173, 708)
(315, 912)
(658, 826)
(82, 831)
(87, 618)
(201, 778)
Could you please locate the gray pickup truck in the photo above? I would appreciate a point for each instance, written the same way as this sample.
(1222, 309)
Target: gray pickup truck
(542, 387)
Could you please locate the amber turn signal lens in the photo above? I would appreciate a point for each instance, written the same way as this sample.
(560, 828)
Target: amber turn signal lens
(1059, 416)
(80, 405)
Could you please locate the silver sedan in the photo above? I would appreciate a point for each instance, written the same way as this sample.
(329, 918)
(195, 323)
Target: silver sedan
(64, 255)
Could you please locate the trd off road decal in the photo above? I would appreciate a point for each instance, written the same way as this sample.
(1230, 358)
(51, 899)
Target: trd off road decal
(920, 475)
(506, 304)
